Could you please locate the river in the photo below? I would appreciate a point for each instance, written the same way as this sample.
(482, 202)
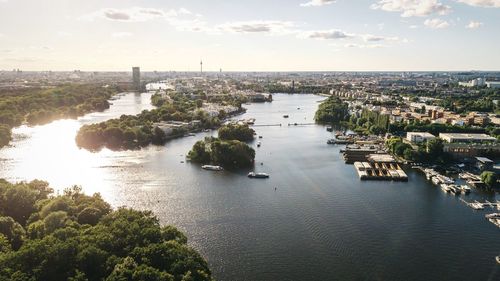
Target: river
(321, 222)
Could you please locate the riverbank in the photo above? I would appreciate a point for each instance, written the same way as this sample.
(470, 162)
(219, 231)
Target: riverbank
(321, 221)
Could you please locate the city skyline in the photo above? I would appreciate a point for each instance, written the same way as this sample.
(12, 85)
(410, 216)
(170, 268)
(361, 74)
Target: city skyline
(302, 35)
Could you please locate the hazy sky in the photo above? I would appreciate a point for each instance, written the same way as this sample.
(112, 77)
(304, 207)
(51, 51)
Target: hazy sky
(250, 34)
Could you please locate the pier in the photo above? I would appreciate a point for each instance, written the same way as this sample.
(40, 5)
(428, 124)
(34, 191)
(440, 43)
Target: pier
(266, 125)
(380, 167)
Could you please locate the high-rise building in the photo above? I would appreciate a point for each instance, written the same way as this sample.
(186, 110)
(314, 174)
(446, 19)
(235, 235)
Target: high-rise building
(136, 78)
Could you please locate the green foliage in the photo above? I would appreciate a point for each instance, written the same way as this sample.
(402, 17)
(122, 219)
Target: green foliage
(133, 132)
(41, 106)
(229, 154)
(370, 122)
(332, 110)
(234, 131)
(435, 148)
(489, 178)
(78, 237)
(434, 128)
(13, 231)
(5, 135)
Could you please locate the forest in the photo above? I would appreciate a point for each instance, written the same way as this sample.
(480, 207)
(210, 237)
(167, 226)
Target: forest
(77, 237)
(230, 154)
(38, 106)
(332, 110)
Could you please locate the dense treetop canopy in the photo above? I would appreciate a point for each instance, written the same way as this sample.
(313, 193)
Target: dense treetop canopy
(78, 237)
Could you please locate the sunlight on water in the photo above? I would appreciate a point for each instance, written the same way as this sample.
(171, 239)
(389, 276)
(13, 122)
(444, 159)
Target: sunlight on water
(49, 152)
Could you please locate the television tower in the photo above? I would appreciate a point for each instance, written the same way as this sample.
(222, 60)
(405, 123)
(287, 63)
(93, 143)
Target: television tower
(201, 66)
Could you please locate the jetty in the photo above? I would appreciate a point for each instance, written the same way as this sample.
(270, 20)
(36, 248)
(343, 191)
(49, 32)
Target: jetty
(380, 167)
(476, 205)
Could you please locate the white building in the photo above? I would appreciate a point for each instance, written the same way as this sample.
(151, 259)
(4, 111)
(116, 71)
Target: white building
(493, 85)
(478, 82)
(466, 138)
(418, 137)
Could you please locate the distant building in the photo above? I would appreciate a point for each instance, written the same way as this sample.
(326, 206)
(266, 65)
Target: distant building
(478, 82)
(493, 85)
(418, 137)
(136, 78)
(466, 138)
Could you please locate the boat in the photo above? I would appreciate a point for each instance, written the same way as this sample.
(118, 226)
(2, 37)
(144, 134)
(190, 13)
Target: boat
(497, 258)
(258, 144)
(436, 180)
(285, 116)
(331, 141)
(492, 216)
(250, 121)
(465, 189)
(258, 175)
(476, 205)
(329, 128)
(212, 168)
(445, 187)
(260, 137)
(455, 189)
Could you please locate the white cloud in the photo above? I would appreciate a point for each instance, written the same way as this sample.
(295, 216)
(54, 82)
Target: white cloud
(135, 14)
(315, 3)
(436, 23)
(482, 3)
(378, 38)
(326, 34)
(121, 34)
(414, 26)
(411, 8)
(474, 24)
(364, 46)
(259, 26)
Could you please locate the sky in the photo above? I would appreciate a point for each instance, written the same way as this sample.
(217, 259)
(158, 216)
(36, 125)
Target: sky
(250, 35)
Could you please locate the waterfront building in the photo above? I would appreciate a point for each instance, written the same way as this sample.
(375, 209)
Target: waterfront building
(419, 137)
(466, 138)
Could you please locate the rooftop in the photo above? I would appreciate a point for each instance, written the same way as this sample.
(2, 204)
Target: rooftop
(467, 136)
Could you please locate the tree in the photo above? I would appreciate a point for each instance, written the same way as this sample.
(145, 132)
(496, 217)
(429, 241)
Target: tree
(79, 238)
(435, 148)
(332, 110)
(232, 131)
(489, 178)
(13, 231)
(21, 203)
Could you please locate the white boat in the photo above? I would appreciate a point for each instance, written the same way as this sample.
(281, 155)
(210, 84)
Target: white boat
(258, 175)
(445, 187)
(258, 144)
(436, 180)
(212, 168)
(492, 216)
(465, 189)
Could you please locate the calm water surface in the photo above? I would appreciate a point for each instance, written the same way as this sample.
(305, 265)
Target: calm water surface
(321, 223)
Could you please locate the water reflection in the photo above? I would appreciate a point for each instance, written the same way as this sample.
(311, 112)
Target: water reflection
(49, 152)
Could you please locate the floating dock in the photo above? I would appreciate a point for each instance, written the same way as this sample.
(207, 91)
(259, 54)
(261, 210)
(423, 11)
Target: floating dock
(380, 171)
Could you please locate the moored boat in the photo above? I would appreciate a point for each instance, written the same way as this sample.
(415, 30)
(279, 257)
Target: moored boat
(212, 168)
(465, 189)
(258, 175)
